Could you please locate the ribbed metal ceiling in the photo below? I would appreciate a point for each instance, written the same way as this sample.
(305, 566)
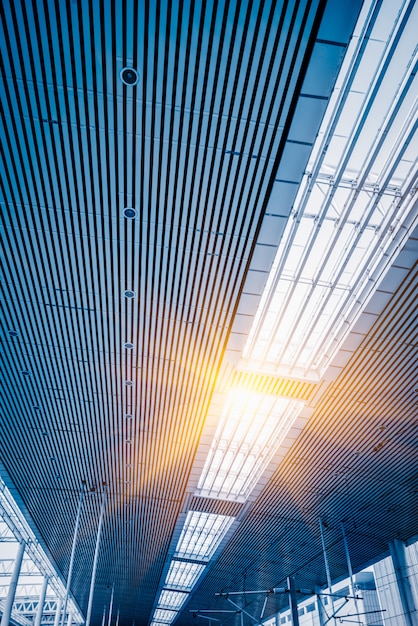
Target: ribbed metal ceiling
(114, 324)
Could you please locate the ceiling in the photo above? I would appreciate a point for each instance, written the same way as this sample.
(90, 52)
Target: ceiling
(124, 332)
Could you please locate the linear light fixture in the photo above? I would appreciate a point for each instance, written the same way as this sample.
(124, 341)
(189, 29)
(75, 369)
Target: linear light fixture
(250, 430)
(183, 575)
(354, 210)
(201, 535)
(163, 616)
(171, 599)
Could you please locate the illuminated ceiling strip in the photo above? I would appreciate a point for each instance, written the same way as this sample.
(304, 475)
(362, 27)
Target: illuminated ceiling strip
(340, 240)
(163, 616)
(250, 430)
(171, 599)
(183, 575)
(201, 535)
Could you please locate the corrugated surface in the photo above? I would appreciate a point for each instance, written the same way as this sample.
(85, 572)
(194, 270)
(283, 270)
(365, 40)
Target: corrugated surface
(355, 462)
(194, 148)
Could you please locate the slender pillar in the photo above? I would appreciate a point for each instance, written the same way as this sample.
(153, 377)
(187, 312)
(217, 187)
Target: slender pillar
(350, 570)
(111, 605)
(96, 555)
(397, 552)
(293, 601)
(58, 612)
(7, 611)
(41, 602)
(321, 527)
(104, 616)
(320, 606)
(70, 618)
(70, 569)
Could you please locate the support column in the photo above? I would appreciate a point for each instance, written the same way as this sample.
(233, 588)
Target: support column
(397, 552)
(70, 618)
(320, 607)
(70, 569)
(327, 570)
(350, 569)
(96, 556)
(111, 606)
(41, 602)
(7, 611)
(293, 601)
(58, 612)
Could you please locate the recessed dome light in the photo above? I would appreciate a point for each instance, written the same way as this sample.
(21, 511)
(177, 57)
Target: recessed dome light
(129, 345)
(128, 383)
(13, 333)
(36, 407)
(129, 76)
(25, 373)
(128, 416)
(130, 213)
(129, 294)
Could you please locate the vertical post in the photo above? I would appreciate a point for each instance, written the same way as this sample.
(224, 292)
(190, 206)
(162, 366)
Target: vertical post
(70, 569)
(96, 555)
(320, 606)
(41, 602)
(321, 528)
(70, 618)
(293, 603)
(350, 570)
(104, 615)
(111, 605)
(397, 552)
(58, 612)
(7, 610)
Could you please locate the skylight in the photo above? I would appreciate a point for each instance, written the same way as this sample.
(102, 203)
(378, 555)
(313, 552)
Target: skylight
(353, 210)
(201, 535)
(172, 599)
(250, 430)
(183, 575)
(163, 616)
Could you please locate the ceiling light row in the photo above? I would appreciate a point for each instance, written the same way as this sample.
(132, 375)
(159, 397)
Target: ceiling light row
(200, 537)
(251, 428)
(352, 215)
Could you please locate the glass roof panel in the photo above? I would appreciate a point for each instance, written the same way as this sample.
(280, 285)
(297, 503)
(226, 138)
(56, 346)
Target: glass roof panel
(201, 535)
(183, 575)
(334, 249)
(251, 428)
(172, 599)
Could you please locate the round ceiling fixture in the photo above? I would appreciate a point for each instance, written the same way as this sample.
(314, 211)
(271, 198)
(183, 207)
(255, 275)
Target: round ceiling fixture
(128, 383)
(130, 213)
(129, 345)
(25, 373)
(12, 333)
(36, 407)
(129, 76)
(129, 293)
(128, 416)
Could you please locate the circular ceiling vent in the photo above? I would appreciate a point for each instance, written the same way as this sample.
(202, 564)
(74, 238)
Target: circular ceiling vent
(130, 213)
(129, 345)
(129, 294)
(129, 76)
